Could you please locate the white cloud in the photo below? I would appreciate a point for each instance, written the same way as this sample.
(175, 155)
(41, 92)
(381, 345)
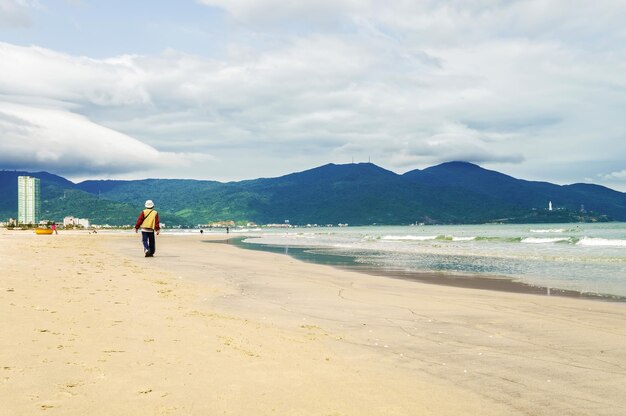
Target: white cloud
(531, 86)
(617, 176)
(322, 12)
(15, 13)
(58, 140)
(38, 72)
(437, 22)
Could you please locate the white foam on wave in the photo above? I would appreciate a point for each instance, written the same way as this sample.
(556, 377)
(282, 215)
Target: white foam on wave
(600, 242)
(409, 237)
(549, 230)
(537, 240)
(425, 238)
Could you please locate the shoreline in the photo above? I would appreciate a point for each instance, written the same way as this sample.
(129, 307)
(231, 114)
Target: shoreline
(467, 281)
(90, 326)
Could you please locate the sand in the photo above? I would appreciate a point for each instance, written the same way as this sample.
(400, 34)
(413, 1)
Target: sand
(91, 327)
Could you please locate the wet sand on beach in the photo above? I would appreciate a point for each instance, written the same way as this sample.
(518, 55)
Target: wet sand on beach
(348, 261)
(90, 326)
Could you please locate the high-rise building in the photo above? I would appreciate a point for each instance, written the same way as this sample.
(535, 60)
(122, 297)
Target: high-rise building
(28, 200)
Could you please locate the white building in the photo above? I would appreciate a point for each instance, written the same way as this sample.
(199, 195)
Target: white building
(74, 222)
(28, 200)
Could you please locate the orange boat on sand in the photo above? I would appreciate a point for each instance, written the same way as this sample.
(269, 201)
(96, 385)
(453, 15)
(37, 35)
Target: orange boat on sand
(43, 231)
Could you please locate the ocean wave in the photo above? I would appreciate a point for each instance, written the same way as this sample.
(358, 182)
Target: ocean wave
(463, 238)
(549, 230)
(600, 242)
(410, 237)
(426, 238)
(487, 238)
(537, 240)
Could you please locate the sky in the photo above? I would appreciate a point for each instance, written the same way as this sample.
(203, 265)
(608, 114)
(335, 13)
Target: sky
(240, 89)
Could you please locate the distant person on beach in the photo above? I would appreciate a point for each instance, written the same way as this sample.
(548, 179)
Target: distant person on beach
(148, 221)
(53, 227)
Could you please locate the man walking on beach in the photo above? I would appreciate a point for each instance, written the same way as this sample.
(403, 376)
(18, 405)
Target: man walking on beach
(148, 221)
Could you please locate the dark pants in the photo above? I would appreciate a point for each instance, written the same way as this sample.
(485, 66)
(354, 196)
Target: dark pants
(149, 242)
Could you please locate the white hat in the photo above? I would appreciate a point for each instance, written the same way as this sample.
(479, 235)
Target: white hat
(149, 203)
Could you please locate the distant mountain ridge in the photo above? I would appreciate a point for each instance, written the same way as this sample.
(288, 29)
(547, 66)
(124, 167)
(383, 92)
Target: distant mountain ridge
(358, 194)
(528, 194)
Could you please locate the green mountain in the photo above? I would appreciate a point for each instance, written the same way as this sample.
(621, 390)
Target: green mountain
(454, 192)
(525, 194)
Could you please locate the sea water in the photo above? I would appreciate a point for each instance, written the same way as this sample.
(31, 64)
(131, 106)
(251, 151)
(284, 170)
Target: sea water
(586, 258)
